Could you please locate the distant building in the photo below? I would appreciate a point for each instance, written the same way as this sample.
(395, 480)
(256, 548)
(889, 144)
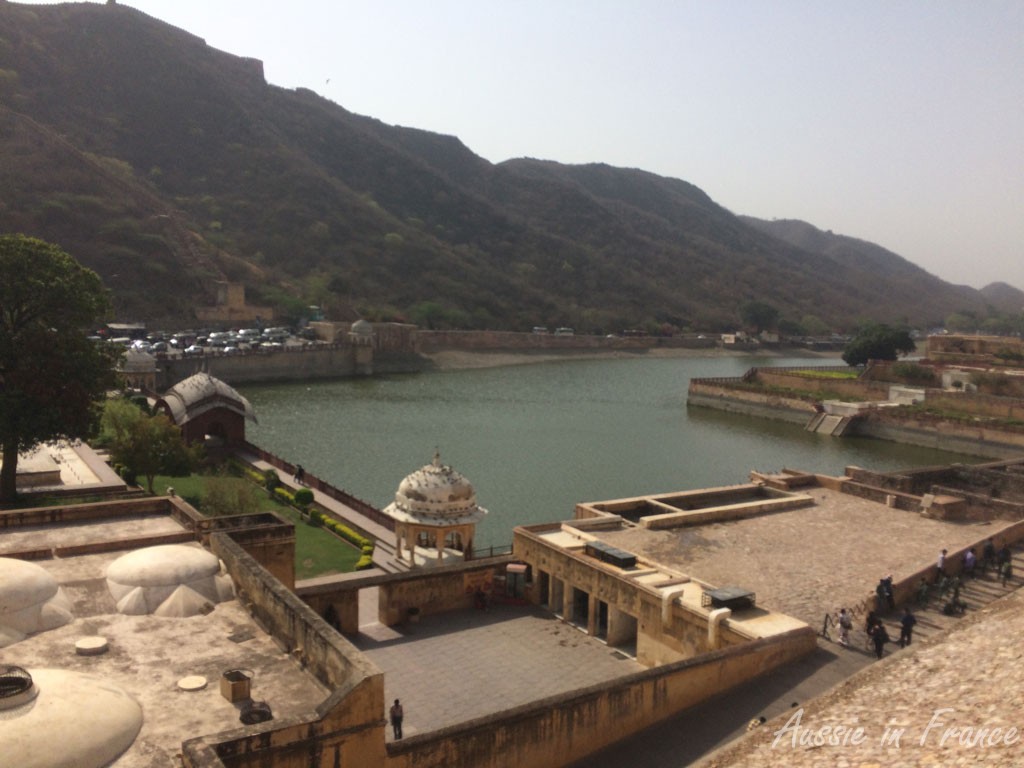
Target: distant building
(232, 309)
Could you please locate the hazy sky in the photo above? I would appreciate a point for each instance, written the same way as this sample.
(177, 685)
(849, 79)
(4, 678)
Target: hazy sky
(896, 122)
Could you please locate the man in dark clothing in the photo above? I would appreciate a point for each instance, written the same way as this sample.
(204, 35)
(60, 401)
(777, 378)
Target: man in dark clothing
(887, 588)
(397, 713)
(907, 627)
(879, 636)
(988, 556)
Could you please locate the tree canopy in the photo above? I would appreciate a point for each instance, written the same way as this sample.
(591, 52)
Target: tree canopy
(52, 377)
(145, 444)
(878, 341)
(760, 315)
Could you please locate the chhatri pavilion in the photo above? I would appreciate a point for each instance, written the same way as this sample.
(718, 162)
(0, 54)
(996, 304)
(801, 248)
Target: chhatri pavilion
(435, 514)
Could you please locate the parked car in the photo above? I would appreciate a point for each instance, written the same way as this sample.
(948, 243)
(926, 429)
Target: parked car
(195, 349)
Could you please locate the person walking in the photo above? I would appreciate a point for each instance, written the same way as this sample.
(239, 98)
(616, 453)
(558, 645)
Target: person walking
(988, 557)
(907, 627)
(970, 561)
(845, 625)
(879, 636)
(397, 713)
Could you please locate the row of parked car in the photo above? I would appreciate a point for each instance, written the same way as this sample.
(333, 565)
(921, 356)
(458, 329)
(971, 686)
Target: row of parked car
(227, 342)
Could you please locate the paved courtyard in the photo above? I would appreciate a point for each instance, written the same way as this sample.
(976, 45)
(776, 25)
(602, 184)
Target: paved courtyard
(457, 666)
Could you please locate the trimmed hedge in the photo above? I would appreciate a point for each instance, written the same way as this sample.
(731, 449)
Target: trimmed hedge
(301, 498)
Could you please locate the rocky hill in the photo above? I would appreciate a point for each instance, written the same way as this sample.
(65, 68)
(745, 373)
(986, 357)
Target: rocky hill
(167, 165)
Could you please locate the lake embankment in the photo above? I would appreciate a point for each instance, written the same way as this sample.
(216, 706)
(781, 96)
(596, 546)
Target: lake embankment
(451, 359)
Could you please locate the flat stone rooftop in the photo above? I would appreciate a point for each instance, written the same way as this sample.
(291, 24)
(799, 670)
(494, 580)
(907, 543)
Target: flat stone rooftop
(86, 532)
(148, 656)
(808, 561)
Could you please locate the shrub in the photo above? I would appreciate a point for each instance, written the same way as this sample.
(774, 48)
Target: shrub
(228, 496)
(303, 497)
(912, 373)
(364, 562)
(283, 494)
(271, 480)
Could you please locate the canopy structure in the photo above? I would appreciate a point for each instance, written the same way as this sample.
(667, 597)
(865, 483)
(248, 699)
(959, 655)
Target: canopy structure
(435, 513)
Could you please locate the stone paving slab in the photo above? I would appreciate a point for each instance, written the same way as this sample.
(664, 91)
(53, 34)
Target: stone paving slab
(806, 562)
(970, 679)
(457, 666)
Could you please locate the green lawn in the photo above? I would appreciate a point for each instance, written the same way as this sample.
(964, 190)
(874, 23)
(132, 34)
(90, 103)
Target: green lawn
(318, 552)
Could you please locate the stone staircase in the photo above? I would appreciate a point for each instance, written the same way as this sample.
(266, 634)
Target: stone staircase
(829, 424)
(975, 593)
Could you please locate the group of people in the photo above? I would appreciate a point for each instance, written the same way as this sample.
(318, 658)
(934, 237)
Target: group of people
(874, 628)
(1000, 560)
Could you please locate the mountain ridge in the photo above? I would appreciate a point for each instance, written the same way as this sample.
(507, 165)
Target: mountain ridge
(306, 202)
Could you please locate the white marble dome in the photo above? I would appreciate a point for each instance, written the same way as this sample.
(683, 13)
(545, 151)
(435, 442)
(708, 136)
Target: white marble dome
(436, 493)
(30, 601)
(169, 580)
(73, 720)
(361, 328)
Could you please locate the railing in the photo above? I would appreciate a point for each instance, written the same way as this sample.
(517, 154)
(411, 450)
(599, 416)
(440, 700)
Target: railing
(364, 508)
(492, 551)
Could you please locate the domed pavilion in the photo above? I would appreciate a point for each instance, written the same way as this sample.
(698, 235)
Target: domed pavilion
(435, 514)
(207, 410)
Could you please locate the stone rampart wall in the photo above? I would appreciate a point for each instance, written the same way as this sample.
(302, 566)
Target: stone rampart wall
(297, 628)
(512, 340)
(563, 729)
(288, 364)
(711, 394)
(975, 439)
(1010, 408)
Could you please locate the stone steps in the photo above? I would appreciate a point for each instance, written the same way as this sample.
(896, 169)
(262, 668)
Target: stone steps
(976, 593)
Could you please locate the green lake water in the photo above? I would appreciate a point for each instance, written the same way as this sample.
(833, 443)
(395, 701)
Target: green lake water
(536, 439)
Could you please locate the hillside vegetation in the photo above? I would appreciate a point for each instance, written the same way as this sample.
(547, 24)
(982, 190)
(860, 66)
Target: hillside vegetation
(166, 165)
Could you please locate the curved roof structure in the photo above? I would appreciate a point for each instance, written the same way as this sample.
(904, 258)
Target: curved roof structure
(200, 393)
(75, 719)
(436, 495)
(174, 580)
(30, 601)
(361, 328)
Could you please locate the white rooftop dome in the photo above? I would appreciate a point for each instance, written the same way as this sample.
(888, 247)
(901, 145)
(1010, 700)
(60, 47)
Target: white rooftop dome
(168, 580)
(30, 601)
(362, 328)
(74, 721)
(436, 493)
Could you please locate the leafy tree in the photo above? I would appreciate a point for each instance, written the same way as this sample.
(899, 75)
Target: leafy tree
(147, 445)
(760, 315)
(228, 496)
(959, 322)
(814, 325)
(52, 377)
(878, 341)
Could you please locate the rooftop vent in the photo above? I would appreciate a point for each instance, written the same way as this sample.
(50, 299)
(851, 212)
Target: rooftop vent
(611, 555)
(16, 687)
(736, 598)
